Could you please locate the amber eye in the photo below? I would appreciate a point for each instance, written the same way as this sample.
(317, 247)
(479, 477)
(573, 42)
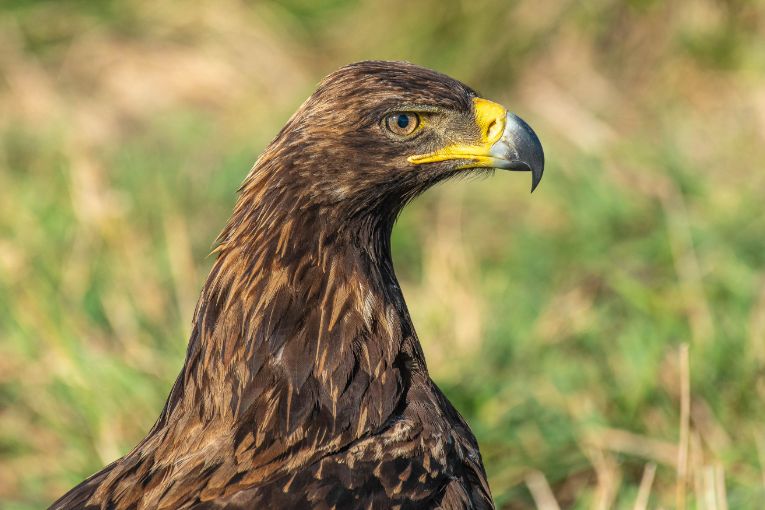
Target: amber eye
(402, 123)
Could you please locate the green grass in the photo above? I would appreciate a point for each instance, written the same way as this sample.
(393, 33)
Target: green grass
(553, 321)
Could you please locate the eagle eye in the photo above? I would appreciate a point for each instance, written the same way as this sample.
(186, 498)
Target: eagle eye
(402, 123)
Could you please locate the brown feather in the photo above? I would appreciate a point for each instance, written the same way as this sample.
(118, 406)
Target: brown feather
(304, 384)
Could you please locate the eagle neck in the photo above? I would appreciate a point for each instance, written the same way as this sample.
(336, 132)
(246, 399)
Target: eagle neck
(303, 312)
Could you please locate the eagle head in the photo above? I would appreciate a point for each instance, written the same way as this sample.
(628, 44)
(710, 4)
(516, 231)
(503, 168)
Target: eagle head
(376, 134)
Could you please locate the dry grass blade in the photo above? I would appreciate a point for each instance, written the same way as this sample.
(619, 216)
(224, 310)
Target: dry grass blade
(722, 496)
(541, 492)
(644, 491)
(710, 489)
(696, 458)
(685, 413)
(609, 478)
(622, 441)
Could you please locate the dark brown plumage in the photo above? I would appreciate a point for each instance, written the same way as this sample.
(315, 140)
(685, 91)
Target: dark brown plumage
(304, 384)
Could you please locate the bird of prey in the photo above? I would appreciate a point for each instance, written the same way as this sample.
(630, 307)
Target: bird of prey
(304, 383)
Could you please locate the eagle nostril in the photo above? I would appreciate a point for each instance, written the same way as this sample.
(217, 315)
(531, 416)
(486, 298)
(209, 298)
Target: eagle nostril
(494, 129)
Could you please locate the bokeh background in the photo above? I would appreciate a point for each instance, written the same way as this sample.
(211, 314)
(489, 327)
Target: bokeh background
(604, 334)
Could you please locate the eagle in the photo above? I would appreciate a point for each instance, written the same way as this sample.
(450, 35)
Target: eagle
(304, 383)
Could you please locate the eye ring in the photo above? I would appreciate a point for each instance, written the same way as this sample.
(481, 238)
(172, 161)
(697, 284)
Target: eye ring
(402, 123)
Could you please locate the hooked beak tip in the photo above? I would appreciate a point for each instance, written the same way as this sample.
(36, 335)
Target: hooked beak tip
(521, 148)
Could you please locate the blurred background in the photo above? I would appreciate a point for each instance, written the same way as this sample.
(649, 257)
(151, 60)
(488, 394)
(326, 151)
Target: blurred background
(604, 337)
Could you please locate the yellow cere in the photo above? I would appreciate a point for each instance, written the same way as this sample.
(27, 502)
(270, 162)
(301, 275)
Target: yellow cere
(490, 119)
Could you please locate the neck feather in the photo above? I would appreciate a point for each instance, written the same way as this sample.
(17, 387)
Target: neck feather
(301, 321)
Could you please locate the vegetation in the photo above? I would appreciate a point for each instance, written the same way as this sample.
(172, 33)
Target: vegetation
(606, 331)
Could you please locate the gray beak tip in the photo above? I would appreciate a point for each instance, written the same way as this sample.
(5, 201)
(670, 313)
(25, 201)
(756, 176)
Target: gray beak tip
(522, 147)
(528, 149)
(537, 169)
(536, 178)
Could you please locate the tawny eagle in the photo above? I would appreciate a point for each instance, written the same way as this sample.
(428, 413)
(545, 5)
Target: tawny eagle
(304, 384)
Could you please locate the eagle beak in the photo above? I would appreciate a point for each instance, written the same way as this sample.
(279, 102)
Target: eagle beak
(519, 149)
(505, 142)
